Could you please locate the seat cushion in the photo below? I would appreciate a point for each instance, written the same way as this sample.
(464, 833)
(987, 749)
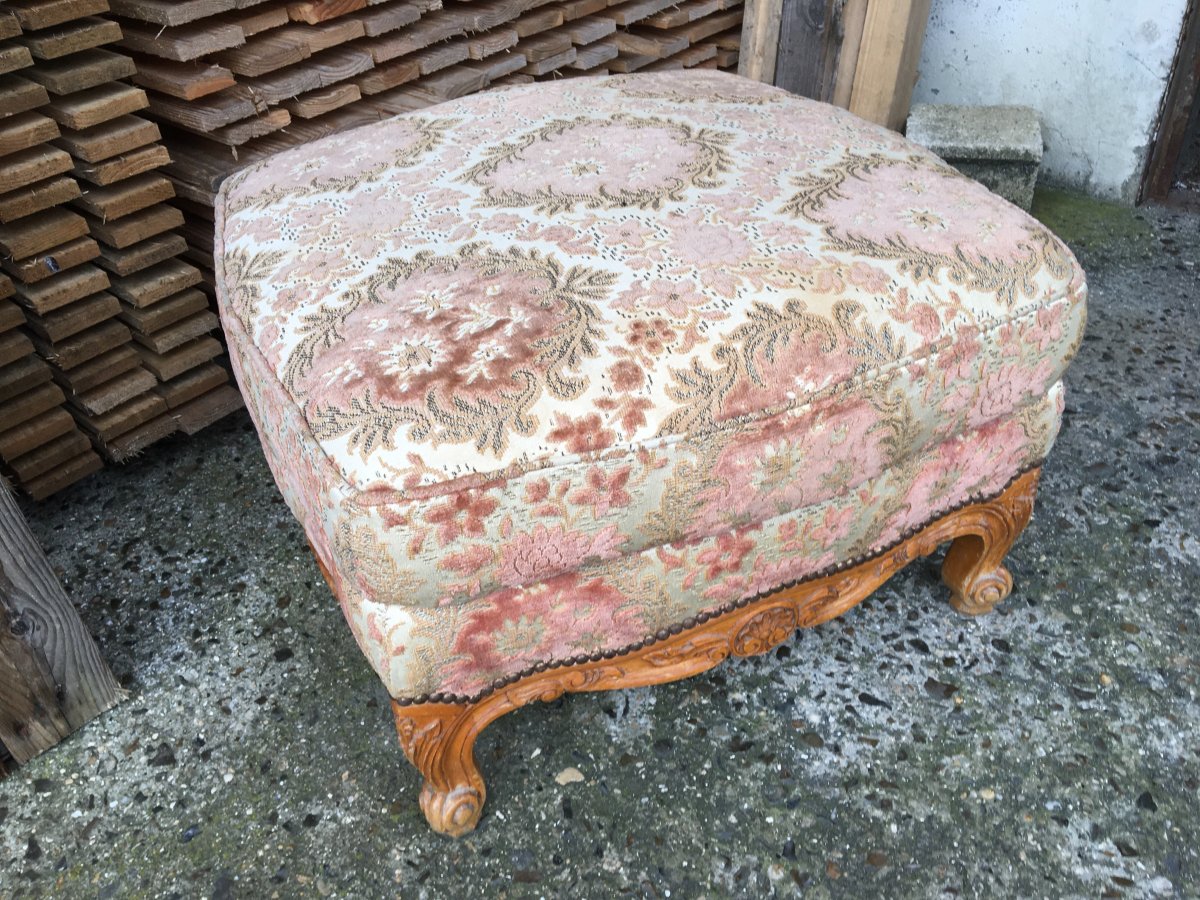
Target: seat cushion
(539, 330)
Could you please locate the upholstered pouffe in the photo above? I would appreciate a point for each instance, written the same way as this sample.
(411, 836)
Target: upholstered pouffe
(591, 384)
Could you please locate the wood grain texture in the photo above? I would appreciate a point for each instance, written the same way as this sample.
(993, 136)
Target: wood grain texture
(887, 60)
(52, 679)
(810, 41)
(761, 25)
(439, 736)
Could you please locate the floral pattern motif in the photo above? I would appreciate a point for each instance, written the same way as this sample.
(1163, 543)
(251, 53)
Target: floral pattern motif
(563, 365)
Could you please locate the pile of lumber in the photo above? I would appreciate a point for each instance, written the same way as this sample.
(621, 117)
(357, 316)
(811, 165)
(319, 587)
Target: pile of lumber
(232, 81)
(122, 336)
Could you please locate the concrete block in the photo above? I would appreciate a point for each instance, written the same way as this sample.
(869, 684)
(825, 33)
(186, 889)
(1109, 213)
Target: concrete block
(999, 146)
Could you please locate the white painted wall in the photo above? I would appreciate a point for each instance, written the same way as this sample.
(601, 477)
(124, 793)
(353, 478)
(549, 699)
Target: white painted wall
(1095, 70)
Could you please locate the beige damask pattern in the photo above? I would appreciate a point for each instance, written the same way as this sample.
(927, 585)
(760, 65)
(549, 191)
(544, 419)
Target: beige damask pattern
(544, 369)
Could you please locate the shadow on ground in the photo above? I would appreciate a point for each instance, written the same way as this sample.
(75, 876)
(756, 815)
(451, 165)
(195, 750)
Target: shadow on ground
(1052, 749)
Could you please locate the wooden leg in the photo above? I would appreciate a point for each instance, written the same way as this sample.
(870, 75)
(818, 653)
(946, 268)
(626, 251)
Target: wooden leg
(439, 737)
(974, 565)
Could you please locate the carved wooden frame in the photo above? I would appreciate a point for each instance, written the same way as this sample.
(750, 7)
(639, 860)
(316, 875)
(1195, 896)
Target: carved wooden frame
(439, 737)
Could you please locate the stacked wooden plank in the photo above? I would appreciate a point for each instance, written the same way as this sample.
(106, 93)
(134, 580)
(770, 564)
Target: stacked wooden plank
(41, 447)
(232, 81)
(106, 299)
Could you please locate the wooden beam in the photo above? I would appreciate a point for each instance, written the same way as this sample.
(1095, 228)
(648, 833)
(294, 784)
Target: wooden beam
(52, 679)
(810, 42)
(760, 39)
(887, 60)
(854, 18)
(1178, 107)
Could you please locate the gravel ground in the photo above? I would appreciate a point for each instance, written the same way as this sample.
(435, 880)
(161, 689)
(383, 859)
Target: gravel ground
(1049, 750)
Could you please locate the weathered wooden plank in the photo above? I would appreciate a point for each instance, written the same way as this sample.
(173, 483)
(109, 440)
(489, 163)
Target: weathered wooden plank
(184, 80)
(115, 391)
(30, 404)
(88, 344)
(316, 11)
(27, 166)
(125, 197)
(65, 287)
(198, 414)
(52, 679)
(118, 168)
(14, 345)
(182, 43)
(9, 26)
(18, 95)
(20, 375)
(170, 12)
(50, 455)
(594, 55)
(108, 139)
(178, 334)
(156, 283)
(323, 100)
(13, 57)
(37, 197)
(131, 443)
(248, 129)
(124, 418)
(887, 61)
(179, 360)
(94, 106)
(130, 229)
(146, 320)
(854, 17)
(82, 34)
(63, 476)
(39, 232)
(81, 71)
(97, 370)
(53, 260)
(762, 21)
(37, 14)
(142, 255)
(25, 130)
(192, 384)
(72, 319)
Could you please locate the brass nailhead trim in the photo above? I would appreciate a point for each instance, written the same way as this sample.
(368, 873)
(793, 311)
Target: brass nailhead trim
(700, 618)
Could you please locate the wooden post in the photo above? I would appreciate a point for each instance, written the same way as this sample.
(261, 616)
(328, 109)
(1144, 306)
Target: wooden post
(1178, 111)
(52, 679)
(810, 43)
(854, 18)
(861, 55)
(887, 60)
(760, 39)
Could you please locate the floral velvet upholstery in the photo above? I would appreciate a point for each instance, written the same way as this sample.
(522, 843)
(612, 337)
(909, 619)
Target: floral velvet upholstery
(546, 370)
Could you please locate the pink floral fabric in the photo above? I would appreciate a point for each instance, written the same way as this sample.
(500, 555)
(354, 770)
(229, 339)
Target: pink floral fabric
(548, 368)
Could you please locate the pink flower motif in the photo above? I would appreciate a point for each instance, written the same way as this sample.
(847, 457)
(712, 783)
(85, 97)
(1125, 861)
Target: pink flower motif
(706, 243)
(868, 277)
(726, 557)
(631, 233)
(676, 298)
(535, 555)
(957, 360)
(1050, 320)
(468, 561)
(586, 434)
(462, 514)
(537, 491)
(626, 375)
(602, 491)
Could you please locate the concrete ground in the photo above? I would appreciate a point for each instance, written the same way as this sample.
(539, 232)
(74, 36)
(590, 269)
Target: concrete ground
(1049, 750)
